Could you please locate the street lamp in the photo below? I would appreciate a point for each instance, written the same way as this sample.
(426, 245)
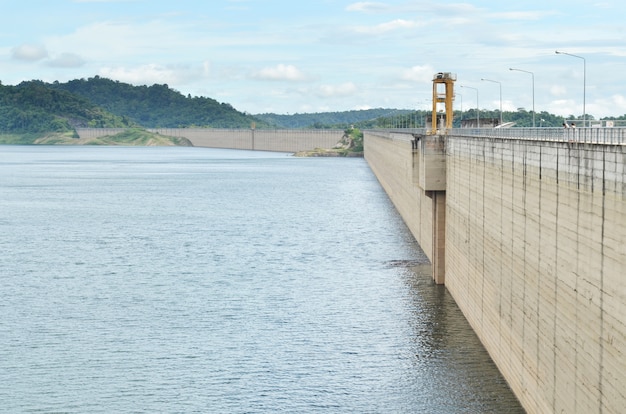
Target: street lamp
(533, 76)
(584, 81)
(500, 83)
(477, 107)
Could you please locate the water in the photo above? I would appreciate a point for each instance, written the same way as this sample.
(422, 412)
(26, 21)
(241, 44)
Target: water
(189, 280)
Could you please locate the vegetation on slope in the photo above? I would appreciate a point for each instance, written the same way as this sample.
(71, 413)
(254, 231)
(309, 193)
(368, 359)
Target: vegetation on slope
(33, 107)
(137, 136)
(158, 106)
(350, 145)
(129, 137)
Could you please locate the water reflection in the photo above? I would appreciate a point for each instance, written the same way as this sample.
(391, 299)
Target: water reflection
(457, 373)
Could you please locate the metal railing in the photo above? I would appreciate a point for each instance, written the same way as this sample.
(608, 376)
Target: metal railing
(605, 136)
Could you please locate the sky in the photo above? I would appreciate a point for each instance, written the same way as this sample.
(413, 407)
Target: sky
(303, 56)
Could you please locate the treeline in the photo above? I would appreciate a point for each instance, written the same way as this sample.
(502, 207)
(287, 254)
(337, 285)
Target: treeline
(404, 118)
(521, 118)
(327, 120)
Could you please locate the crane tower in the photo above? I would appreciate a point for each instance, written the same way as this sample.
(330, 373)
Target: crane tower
(443, 92)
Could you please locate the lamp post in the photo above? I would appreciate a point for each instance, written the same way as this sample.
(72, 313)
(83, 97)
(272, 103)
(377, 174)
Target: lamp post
(584, 81)
(533, 78)
(499, 83)
(477, 107)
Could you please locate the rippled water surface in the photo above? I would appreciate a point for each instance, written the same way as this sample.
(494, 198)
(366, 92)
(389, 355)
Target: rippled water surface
(182, 280)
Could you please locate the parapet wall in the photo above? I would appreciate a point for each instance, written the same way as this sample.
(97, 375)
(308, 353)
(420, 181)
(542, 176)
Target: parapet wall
(279, 140)
(535, 257)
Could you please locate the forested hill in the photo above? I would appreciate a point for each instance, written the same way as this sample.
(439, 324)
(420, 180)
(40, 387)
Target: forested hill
(34, 107)
(157, 105)
(331, 119)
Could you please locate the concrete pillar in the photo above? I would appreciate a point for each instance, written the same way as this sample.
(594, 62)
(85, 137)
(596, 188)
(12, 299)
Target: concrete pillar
(439, 236)
(429, 174)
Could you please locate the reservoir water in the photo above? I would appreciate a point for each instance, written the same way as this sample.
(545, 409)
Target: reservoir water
(194, 280)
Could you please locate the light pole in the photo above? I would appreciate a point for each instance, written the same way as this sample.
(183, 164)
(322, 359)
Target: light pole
(584, 81)
(533, 76)
(499, 83)
(477, 107)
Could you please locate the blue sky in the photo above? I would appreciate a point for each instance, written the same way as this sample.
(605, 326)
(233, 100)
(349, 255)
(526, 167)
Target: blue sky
(329, 55)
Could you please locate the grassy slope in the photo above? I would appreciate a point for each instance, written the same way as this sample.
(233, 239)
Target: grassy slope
(131, 137)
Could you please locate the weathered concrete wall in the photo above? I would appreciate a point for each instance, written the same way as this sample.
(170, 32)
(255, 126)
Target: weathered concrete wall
(535, 256)
(391, 158)
(279, 140)
(536, 259)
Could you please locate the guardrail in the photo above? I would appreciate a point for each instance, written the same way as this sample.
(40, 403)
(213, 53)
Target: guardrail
(605, 136)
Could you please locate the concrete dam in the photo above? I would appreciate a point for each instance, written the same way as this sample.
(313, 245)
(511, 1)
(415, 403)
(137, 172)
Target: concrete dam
(527, 229)
(279, 140)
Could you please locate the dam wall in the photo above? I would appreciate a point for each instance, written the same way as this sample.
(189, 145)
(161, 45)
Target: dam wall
(278, 140)
(390, 157)
(535, 256)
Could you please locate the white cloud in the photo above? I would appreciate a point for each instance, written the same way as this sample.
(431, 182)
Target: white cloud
(148, 74)
(367, 7)
(344, 89)
(521, 15)
(453, 9)
(125, 41)
(564, 107)
(422, 74)
(398, 24)
(31, 53)
(619, 100)
(206, 68)
(558, 90)
(67, 60)
(612, 106)
(280, 72)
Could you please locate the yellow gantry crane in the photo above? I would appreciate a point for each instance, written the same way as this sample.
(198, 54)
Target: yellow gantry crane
(443, 92)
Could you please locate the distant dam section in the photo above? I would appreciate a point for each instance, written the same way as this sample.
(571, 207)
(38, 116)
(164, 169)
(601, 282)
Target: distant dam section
(278, 140)
(529, 236)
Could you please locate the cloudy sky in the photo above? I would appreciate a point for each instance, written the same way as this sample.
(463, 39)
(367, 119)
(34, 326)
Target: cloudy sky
(289, 56)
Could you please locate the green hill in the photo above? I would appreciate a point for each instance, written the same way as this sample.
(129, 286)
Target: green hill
(157, 106)
(35, 111)
(34, 107)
